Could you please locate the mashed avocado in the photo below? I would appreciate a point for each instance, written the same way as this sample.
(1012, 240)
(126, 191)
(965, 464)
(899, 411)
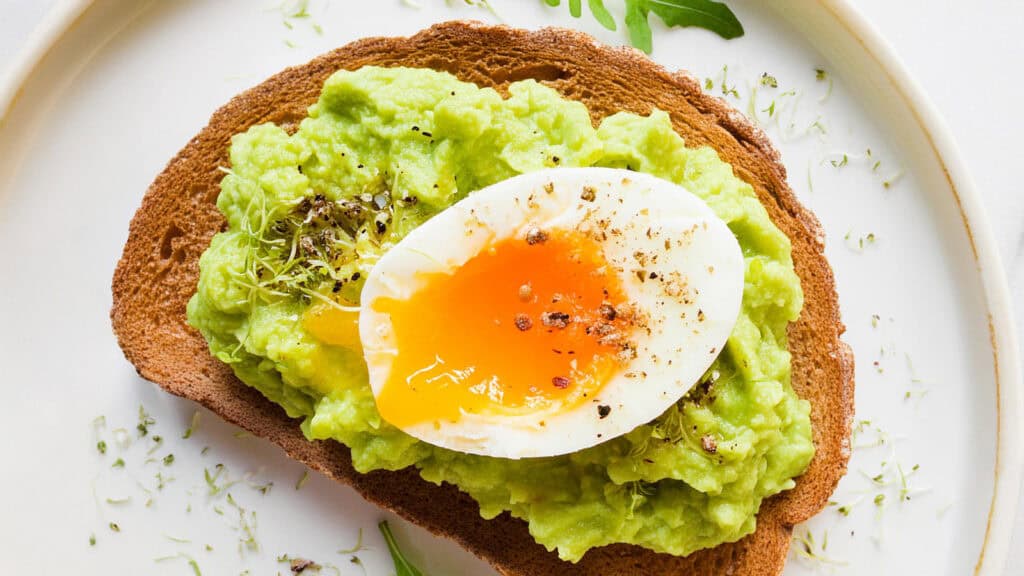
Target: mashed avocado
(399, 145)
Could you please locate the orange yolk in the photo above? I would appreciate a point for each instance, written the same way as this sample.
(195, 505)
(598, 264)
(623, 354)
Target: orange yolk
(334, 326)
(516, 328)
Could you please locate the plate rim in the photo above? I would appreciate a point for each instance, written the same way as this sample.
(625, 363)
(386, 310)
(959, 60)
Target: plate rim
(1009, 457)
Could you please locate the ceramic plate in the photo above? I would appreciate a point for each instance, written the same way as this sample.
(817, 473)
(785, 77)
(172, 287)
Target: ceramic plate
(112, 89)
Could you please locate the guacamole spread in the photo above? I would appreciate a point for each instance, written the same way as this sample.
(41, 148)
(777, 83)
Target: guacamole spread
(383, 150)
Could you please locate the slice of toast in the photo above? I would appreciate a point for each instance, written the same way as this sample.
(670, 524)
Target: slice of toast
(159, 269)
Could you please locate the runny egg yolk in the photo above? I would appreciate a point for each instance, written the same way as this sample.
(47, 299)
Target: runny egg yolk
(521, 326)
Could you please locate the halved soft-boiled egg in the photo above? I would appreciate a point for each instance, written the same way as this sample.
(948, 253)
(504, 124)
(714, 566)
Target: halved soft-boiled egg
(549, 312)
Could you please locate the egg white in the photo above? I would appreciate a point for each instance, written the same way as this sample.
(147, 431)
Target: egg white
(647, 225)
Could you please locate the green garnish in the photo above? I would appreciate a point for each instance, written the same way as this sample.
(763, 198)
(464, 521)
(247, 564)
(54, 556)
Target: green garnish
(860, 243)
(191, 562)
(302, 480)
(114, 527)
(177, 539)
(822, 75)
(145, 421)
(807, 548)
(261, 488)
(92, 539)
(169, 459)
(769, 80)
(101, 446)
(116, 501)
(357, 547)
(707, 14)
(840, 163)
(402, 565)
(192, 427)
(484, 4)
(119, 463)
(246, 526)
(905, 489)
(211, 480)
(299, 247)
(162, 480)
(726, 89)
(888, 182)
(298, 9)
(158, 441)
(601, 14)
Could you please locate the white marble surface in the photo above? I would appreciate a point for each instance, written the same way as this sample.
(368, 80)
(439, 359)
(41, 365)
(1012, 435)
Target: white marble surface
(966, 55)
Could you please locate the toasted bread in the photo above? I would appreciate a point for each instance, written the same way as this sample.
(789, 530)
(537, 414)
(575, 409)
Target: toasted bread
(159, 269)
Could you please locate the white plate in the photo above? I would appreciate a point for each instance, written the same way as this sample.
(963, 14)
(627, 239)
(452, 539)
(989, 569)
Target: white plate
(113, 90)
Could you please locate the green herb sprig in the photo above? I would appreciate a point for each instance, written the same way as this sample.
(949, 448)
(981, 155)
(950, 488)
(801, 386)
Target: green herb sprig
(707, 14)
(402, 566)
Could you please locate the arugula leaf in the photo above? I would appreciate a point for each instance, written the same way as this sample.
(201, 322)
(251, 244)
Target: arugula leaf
(601, 14)
(636, 23)
(402, 566)
(707, 14)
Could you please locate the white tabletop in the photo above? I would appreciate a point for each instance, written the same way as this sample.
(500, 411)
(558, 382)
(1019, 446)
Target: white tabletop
(966, 55)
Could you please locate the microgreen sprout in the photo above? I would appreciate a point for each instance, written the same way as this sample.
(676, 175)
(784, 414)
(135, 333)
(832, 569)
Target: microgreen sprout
(162, 481)
(806, 546)
(212, 480)
(822, 75)
(145, 421)
(192, 427)
(192, 564)
(158, 441)
(724, 84)
(358, 545)
(246, 527)
(858, 243)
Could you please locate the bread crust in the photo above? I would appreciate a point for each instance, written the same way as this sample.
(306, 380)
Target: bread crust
(158, 272)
